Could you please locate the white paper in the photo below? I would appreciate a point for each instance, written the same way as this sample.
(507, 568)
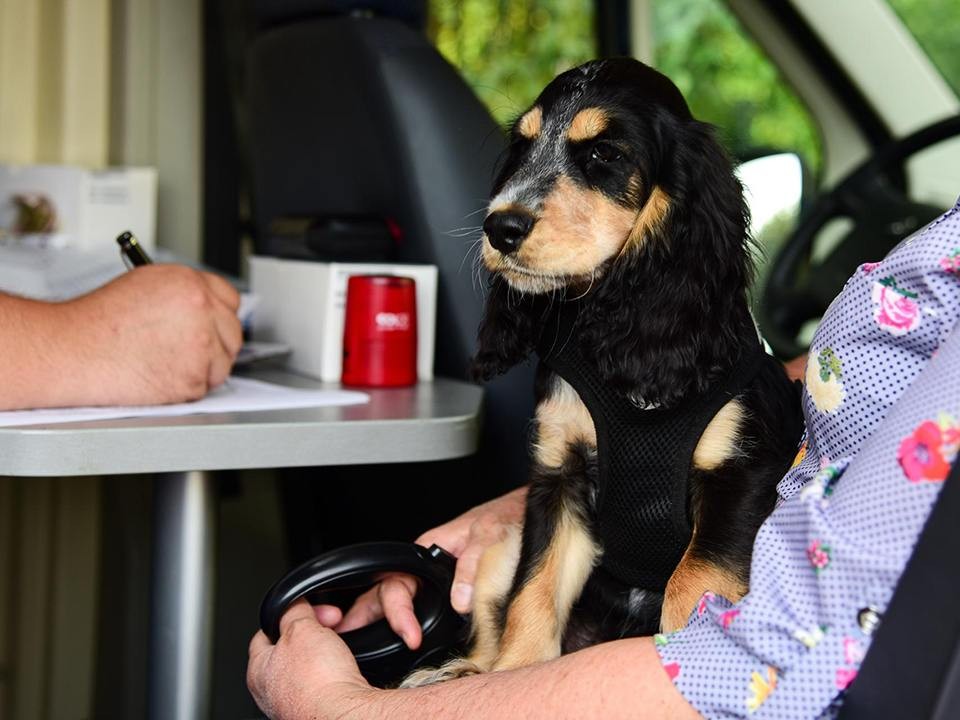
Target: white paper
(236, 395)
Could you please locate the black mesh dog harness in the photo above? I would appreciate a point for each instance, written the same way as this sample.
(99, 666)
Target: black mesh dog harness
(644, 455)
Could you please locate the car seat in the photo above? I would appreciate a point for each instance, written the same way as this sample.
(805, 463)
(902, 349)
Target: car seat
(355, 114)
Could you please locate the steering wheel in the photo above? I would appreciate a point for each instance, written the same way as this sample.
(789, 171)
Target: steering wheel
(800, 289)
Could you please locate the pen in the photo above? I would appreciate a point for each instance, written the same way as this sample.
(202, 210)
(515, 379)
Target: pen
(131, 249)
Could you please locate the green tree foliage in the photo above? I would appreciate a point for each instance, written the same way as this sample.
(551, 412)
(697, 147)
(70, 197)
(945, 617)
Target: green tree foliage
(509, 49)
(934, 23)
(728, 81)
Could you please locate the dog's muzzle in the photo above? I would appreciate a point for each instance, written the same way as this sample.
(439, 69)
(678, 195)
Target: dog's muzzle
(506, 229)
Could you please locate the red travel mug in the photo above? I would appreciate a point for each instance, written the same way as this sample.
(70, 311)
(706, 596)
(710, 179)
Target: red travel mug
(380, 331)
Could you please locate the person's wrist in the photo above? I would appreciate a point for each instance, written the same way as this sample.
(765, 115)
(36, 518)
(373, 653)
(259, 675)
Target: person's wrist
(60, 364)
(81, 341)
(352, 701)
(517, 503)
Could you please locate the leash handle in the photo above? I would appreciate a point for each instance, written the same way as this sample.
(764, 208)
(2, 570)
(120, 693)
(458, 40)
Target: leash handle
(380, 653)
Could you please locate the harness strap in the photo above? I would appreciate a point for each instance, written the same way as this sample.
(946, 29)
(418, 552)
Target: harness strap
(644, 456)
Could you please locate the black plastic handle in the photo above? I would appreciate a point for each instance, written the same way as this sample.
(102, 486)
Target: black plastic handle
(380, 653)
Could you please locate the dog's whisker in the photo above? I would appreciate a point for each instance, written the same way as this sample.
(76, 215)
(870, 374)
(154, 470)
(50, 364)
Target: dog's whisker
(478, 268)
(471, 249)
(478, 210)
(463, 231)
(589, 287)
(477, 278)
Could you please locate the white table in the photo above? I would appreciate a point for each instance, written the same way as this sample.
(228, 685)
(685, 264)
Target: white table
(439, 420)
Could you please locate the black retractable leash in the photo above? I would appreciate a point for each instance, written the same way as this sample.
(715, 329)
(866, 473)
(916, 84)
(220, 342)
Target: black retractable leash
(912, 669)
(336, 577)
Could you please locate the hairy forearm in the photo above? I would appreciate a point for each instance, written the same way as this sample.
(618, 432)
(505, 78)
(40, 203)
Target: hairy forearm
(36, 353)
(622, 679)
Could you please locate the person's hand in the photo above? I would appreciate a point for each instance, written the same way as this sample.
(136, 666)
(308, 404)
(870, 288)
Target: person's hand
(157, 334)
(310, 670)
(466, 537)
(796, 368)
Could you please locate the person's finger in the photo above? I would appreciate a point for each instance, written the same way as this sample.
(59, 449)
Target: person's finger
(461, 592)
(328, 615)
(300, 610)
(396, 598)
(366, 609)
(219, 368)
(223, 290)
(228, 327)
(258, 652)
(228, 337)
(258, 643)
(445, 536)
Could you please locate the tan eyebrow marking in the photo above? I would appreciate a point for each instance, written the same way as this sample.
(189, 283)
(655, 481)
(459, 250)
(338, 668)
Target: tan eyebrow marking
(649, 218)
(530, 124)
(587, 124)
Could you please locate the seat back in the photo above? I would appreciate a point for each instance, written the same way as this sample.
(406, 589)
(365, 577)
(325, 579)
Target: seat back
(358, 115)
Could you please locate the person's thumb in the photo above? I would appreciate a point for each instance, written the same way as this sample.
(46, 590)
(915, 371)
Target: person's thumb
(461, 592)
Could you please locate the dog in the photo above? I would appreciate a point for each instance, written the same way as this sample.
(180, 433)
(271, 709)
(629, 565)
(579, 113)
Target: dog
(617, 244)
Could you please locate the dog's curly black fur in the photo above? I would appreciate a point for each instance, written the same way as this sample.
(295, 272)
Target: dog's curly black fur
(658, 261)
(663, 322)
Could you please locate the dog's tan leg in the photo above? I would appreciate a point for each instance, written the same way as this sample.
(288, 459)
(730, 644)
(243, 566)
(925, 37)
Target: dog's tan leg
(691, 579)
(720, 440)
(538, 613)
(539, 610)
(492, 583)
(694, 575)
(494, 577)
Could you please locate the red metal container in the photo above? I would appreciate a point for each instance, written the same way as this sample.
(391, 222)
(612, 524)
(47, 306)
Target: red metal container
(380, 331)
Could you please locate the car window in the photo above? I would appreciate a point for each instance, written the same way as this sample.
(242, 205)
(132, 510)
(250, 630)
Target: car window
(934, 174)
(508, 51)
(729, 81)
(934, 24)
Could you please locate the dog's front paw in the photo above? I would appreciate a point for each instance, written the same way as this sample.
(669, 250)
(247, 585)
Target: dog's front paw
(456, 668)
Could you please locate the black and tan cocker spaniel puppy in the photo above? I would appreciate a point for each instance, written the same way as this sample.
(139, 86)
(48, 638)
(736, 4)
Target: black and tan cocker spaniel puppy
(618, 246)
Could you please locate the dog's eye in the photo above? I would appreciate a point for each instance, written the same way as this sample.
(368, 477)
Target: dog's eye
(605, 152)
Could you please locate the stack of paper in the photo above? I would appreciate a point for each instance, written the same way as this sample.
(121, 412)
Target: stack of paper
(236, 395)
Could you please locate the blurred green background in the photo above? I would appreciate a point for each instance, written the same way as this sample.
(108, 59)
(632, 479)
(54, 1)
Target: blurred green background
(509, 50)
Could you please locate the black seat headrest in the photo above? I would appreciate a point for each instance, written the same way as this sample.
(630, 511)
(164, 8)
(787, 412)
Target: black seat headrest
(276, 12)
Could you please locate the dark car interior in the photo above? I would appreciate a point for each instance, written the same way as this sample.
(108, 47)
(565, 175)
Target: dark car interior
(337, 130)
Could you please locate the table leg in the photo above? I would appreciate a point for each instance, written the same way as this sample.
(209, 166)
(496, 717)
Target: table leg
(181, 615)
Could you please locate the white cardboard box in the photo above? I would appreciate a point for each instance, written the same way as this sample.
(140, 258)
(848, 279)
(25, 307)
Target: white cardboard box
(302, 303)
(92, 206)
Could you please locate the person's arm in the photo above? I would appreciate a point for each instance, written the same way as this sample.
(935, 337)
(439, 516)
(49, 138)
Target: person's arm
(796, 368)
(157, 334)
(310, 673)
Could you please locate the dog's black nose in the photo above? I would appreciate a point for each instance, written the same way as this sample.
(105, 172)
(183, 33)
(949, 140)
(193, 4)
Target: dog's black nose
(506, 229)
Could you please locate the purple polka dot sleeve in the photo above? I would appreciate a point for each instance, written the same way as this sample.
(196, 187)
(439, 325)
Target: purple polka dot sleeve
(882, 409)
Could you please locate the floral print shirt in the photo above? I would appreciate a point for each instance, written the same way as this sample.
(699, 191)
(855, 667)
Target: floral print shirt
(882, 409)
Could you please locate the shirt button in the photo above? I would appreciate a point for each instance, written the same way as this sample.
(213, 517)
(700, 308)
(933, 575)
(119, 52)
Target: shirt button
(868, 618)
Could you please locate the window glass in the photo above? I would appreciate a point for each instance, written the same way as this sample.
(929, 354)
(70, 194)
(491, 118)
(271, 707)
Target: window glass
(508, 50)
(729, 81)
(934, 23)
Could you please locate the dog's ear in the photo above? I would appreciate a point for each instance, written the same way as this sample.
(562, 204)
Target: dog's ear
(667, 318)
(506, 335)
